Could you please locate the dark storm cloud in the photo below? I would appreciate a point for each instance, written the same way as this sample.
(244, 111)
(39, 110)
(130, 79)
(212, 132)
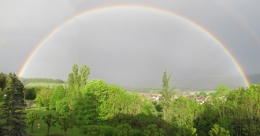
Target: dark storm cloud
(131, 48)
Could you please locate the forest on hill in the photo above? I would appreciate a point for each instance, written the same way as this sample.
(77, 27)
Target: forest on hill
(96, 108)
(40, 80)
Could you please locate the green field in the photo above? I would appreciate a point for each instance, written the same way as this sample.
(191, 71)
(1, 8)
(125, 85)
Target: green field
(55, 131)
(51, 85)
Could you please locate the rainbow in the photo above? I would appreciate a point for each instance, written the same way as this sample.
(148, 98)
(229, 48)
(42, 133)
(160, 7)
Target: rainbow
(241, 21)
(87, 12)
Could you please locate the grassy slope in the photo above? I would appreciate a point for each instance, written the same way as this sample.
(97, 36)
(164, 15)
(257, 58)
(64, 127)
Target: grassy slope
(42, 131)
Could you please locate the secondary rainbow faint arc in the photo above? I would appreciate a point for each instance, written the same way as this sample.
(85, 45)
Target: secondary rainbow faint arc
(247, 83)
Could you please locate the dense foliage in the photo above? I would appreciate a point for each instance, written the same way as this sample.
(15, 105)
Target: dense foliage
(31, 117)
(50, 120)
(12, 116)
(30, 93)
(43, 97)
(58, 94)
(97, 108)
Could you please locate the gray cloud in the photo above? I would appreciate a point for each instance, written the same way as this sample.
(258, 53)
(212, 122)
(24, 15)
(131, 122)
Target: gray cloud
(132, 47)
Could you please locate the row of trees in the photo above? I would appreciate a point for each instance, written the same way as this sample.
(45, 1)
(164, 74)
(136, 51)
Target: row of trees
(65, 121)
(226, 112)
(43, 80)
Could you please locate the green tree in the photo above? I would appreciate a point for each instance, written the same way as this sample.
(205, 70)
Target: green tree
(50, 120)
(219, 99)
(94, 95)
(112, 105)
(153, 130)
(30, 93)
(65, 121)
(147, 107)
(31, 117)
(62, 106)
(76, 82)
(2, 93)
(94, 130)
(218, 131)
(2, 81)
(167, 94)
(84, 74)
(243, 111)
(124, 130)
(182, 113)
(12, 107)
(43, 97)
(76, 78)
(206, 118)
(114, 100)
(58, 94)
(222, 106)
(202, 94)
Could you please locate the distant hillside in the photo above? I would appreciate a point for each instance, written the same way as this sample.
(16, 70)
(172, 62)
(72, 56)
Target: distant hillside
(206, 84)
(49, 85)
(41, 80)
(201, 84)
(188, 85)
(213, 83)
(137, 89)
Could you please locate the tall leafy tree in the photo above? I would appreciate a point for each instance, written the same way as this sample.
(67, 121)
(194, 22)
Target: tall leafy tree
(58, 94)
(31, 117)
(84, 74)
(219, 99)
(30, 93)
(124, 130)
(76, 82)
(78, 79)
(166, 92)
(95, 130)
(43, 97)
(2, 86)
(94, 95)
(153, 130)
(62, 106)
(86, 110)
(13, 107)
(66, 122)
(2, 81)
(148, 107)
(218, 131)
(182, 113)
(50, 120)
(113, 103)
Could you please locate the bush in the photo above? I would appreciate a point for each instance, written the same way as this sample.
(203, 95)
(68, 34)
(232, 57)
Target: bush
(99, 130)
(108, 130)
(137, 132)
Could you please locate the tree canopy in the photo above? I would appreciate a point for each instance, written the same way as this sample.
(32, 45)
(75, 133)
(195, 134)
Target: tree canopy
(12, 115)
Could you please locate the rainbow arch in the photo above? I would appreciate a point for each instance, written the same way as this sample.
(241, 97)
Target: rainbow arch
(24, 66)
(241, 21)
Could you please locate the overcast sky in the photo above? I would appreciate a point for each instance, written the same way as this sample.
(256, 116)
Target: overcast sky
(133, 46)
